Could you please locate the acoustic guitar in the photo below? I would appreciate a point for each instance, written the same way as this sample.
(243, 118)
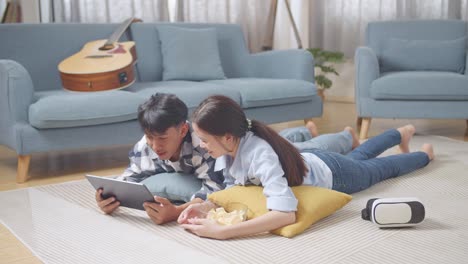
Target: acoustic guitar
(101, 65)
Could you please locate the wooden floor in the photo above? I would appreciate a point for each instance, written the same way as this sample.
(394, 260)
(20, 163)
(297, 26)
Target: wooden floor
(59, 167)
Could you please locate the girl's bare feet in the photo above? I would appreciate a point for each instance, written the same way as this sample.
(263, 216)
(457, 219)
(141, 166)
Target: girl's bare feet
(429, 150)
(312, 128)
(406, 133)
(356, 142)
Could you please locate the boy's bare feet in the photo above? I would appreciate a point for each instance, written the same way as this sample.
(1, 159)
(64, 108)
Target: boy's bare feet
(429, 150)
(312, 128)
(356, 142)
(406, 133)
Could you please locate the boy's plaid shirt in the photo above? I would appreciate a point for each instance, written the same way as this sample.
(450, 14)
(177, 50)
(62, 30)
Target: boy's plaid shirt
(194, 160)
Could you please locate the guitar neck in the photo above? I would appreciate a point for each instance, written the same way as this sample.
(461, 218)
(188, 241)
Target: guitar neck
(118, 33)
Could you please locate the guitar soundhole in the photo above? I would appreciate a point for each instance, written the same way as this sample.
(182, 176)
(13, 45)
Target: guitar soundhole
(107, 47)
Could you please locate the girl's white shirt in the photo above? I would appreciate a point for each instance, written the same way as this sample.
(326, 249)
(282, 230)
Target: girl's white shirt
(256, 163)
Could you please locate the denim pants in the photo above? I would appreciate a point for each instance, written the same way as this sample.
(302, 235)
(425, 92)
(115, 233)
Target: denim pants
(360, 169)
(301, 138)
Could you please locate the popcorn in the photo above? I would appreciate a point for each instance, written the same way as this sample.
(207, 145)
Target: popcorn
(225, 218)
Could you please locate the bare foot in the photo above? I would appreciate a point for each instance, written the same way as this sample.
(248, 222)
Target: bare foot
(429, 150)
(356, 142)
(406, 133)
(312, 128)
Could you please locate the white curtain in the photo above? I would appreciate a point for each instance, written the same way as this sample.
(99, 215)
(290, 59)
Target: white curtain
(252, 15)
(340, 24)
(330, 24)
(101, 11)
(2, 7)
(284, 37)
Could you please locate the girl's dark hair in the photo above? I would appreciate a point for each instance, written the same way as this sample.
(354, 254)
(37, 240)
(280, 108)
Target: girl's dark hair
(161, 112)
(219, 115)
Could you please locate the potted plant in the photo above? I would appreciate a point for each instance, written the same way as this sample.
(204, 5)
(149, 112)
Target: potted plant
(324, 61)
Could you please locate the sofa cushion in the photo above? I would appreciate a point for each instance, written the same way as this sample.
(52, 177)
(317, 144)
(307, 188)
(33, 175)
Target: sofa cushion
(257, 92)
(420, 55)
(58, 109)
(190, 54)
(192, 93)
(437, 86)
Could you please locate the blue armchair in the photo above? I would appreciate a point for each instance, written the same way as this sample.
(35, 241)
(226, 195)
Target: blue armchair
(412, 69)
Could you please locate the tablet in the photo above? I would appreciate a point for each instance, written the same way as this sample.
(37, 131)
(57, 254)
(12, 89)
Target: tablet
(129, 194)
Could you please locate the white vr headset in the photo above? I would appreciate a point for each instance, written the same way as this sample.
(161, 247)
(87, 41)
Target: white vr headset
(394, 212)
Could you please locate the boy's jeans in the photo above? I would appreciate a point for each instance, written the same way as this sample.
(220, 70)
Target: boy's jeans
(301, 138)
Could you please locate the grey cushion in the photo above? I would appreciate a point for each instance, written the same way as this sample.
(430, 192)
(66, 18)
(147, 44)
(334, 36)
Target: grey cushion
(59, 109)
(192, 93)
(256, 92)
(173, 186)
(190, 54)
(420, 55)
(436, 86)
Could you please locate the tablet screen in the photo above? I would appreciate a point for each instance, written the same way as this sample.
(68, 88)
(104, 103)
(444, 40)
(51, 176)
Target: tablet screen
(130, 194)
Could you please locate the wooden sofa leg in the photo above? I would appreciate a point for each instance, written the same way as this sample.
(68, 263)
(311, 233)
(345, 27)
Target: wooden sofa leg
(359, 123)
(365, 128)
(23, 168)
(466, 129)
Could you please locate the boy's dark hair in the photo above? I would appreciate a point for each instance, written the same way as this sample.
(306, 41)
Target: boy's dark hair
(219, 115)
(161, 112)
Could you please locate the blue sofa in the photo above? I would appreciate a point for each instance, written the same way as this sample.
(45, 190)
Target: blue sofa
(412, 69)
(38, 115)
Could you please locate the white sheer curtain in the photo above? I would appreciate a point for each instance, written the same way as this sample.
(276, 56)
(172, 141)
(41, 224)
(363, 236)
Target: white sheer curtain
(340, 24)
(2, 7)
(283, 37)
(100, 11)
(252, 15)
(329, 24)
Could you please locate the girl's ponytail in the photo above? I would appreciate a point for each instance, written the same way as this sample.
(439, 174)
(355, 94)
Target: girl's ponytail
(290, 158)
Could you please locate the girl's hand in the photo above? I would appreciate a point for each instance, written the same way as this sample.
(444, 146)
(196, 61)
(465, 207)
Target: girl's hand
(205, 228)
(199, 210)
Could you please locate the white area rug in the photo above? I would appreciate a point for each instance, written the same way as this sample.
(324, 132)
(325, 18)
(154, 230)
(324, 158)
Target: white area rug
(61, 224)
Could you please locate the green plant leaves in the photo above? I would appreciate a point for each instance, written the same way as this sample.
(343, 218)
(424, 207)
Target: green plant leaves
(323, 82)
(320, 58)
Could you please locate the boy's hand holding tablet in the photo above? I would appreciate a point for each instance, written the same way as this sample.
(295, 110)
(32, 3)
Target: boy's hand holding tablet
(112, 193)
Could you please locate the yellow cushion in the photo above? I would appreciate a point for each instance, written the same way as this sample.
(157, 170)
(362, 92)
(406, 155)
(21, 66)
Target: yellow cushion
(314, 204)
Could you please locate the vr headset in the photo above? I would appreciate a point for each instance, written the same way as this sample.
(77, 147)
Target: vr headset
(394, 212)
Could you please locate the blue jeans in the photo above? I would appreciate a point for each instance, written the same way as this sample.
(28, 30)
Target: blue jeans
(360, 169)
(300, 137)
